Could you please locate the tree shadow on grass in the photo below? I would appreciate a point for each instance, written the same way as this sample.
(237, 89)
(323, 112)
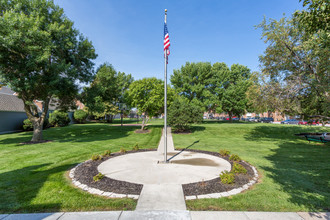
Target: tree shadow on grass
(19, 187)
(75, 133)
(301, 169)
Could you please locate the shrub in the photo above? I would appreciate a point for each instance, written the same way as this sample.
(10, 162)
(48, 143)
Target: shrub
(96, 157)
(27, 125)
(136, 147)
(181, 114)
(224, 152)
(59, 119)
(234, 157)
(80, 116)
(238, 168)
(227, 177)
(106, 153)
(122, 150)
(98, 177)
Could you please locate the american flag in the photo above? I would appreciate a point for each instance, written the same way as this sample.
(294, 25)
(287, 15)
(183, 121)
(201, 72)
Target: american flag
(166, 41)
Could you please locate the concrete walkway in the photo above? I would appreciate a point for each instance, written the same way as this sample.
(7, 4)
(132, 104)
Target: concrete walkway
(169, 215)
(162, 196)
(170, 144)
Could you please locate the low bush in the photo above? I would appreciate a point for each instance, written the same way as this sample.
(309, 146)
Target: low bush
(227, 177)
(80, 116)
(59, 119)
(238, 168)
(96, 157)
(27, 125)
(98, 177)
(224, 152)
(182, 113)
(122, 150)
(106, 153)
(234, 157)
(136, 147)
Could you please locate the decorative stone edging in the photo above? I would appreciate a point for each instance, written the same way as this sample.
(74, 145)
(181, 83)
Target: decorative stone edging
(228, 193)
(202, 196)
(97, 191)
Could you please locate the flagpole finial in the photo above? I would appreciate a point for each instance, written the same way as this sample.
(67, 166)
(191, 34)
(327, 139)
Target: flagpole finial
(165, 10)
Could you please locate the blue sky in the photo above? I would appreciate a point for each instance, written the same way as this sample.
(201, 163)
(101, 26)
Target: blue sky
(129, 33)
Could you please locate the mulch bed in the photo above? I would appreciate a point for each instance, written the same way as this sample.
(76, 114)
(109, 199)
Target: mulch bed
(85, 172)
(215, 185)
(139, 131)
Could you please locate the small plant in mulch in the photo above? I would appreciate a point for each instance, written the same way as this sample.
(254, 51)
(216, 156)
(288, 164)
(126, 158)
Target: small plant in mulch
(235, 157)
(98, 177)
(227, 177)
(136, 147)
(106, 153)
(224, 152)
(203, 184)
(96, 157)
(238, 168)
(122, 150)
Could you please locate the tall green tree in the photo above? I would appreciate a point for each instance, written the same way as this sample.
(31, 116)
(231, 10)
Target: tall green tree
(147, 95)
(297, 56)
(42, 55)
(107, 91)
(234, 84)
(196, 82)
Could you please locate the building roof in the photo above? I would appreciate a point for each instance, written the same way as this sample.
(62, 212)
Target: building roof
(6, 90)
(10, 103)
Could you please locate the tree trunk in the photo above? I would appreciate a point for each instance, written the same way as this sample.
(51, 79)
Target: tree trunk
(143, 122)
(37, 130)
(230, 117)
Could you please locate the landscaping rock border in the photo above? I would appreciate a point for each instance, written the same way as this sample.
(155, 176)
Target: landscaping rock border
(82, 177)
(215, 188)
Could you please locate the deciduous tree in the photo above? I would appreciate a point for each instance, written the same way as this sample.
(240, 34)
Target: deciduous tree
(147, 95)
(42, 55)
(107, 91)
(297, 56)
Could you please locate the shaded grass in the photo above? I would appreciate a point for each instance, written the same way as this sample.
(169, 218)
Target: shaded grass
(294, 173)
(33, 177)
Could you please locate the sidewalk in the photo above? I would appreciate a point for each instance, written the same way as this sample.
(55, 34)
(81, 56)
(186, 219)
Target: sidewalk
(170, 215)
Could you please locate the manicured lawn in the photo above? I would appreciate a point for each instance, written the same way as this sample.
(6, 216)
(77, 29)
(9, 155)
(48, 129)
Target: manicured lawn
(295, 174)
(33, 178)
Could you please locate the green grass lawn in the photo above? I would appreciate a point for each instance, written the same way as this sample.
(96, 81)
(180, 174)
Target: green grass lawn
(33, 178)
(295, 174)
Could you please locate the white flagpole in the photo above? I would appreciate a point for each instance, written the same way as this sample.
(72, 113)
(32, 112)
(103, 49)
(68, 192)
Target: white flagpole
(165, 103)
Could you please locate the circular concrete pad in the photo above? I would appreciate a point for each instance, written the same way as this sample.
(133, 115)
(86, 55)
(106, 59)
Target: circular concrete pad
(143, 168)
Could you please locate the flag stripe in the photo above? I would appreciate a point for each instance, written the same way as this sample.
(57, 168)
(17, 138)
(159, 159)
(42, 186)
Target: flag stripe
(166, 41)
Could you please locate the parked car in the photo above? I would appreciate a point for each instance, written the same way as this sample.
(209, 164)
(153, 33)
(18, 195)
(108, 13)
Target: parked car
(290, 121)
(254, 119)
(266, 120)
(235, 118)
(312, 122)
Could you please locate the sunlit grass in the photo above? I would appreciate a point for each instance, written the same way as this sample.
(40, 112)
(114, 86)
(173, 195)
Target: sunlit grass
(33, 177)
(295, 174)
